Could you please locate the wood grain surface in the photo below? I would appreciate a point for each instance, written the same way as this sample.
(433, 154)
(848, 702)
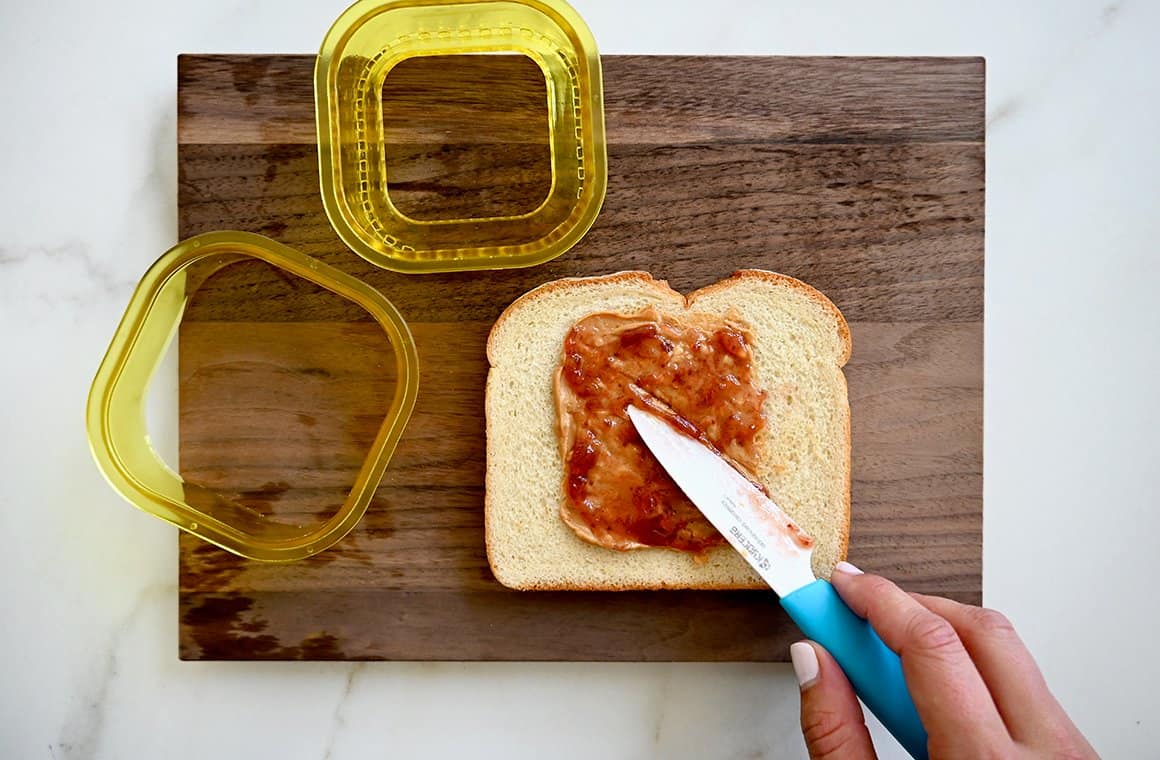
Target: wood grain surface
(862, 176)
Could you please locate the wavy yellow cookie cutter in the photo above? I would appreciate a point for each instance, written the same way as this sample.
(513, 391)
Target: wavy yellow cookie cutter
(116, 422)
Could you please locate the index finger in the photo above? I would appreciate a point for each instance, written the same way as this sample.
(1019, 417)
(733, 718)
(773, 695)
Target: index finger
(955, 706)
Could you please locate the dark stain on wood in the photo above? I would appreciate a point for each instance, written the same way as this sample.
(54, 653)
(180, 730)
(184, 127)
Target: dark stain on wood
(861, 176)
(224, 632)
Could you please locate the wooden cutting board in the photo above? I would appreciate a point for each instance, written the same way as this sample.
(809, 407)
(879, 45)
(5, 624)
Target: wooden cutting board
(863, 177)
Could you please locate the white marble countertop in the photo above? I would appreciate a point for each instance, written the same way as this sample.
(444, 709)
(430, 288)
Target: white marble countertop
(88, 602)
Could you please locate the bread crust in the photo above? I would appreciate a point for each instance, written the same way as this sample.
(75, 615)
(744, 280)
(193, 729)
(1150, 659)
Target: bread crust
(664, 291)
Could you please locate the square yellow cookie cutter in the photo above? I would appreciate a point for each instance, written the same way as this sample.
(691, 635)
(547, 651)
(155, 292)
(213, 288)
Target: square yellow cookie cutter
(374, 36)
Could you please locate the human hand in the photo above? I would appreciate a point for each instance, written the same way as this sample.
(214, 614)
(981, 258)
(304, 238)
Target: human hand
(975, 685)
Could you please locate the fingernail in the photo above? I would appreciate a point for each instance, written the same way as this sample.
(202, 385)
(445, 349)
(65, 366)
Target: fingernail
(846, 567)
(805, 663)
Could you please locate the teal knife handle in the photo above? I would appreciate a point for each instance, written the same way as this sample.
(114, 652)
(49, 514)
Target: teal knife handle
(874, 670)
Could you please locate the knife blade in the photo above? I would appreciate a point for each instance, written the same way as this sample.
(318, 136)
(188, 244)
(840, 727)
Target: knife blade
(780, 552)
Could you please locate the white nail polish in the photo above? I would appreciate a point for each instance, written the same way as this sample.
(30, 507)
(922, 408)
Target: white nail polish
(805, 663)
(846, 567)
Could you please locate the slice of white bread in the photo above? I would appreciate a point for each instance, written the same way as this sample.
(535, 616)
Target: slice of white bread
(800, 343)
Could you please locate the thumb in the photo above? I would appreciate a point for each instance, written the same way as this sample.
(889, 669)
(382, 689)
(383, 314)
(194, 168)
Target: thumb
(832, 721)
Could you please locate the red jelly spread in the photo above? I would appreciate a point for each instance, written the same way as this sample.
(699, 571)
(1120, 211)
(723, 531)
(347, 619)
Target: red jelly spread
(616, 493)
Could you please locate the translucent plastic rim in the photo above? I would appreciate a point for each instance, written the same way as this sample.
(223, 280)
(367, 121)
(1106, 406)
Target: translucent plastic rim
(116, 405)
(571, 69)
